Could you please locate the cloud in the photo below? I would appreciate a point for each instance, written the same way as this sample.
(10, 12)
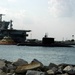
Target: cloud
(61, 8)
(11, 0)
(3, 10)
(11, 13)
(20, 17)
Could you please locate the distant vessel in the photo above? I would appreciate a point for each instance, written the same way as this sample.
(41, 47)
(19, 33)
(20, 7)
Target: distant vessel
(6, 29)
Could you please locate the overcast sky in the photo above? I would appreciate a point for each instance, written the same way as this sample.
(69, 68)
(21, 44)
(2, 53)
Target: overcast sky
(54, 17)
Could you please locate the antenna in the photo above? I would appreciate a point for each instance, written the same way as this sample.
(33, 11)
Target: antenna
(46, 35)
(1, 17)
(11, 24)
(72, 37)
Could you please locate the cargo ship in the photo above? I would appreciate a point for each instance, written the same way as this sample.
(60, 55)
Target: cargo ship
(7, 32)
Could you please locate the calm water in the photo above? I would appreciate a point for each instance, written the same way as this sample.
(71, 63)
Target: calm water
(44, 54)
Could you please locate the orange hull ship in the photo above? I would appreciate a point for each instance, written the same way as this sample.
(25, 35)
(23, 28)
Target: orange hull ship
(7, 41)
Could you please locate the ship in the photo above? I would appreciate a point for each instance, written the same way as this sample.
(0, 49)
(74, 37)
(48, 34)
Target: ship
(8, 32)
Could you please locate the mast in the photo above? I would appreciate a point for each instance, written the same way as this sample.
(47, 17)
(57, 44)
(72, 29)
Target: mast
(11, 24)
(1, 17)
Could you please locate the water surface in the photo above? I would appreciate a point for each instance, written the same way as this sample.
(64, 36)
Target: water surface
(44, 54)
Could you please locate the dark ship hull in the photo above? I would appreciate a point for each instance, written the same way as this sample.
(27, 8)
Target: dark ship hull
(19, 36)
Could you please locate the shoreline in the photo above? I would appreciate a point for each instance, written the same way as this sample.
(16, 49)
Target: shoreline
(35, 67)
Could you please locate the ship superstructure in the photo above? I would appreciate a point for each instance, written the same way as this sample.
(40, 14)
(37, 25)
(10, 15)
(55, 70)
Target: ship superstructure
(6, 29)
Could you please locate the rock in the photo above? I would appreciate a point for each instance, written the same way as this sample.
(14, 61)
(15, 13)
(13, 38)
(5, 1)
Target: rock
(51, 65)
(41, 65)
(31, 72)
(63, 65)
(2, 73)
(52, 68)
(8, 62)
(63, 74)
(11, 71)
(24, 68)
(69, 69)
(37, 61)
(20, 62)
(45, 68)
(2, 64)
(60, 70)
(10, 66)
(9, 74)
(50, 72)
(5, 69)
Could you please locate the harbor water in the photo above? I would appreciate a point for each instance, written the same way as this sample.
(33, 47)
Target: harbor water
(44, 54)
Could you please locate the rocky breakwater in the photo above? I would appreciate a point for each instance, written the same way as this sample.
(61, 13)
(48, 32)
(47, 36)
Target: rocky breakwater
(35, 67)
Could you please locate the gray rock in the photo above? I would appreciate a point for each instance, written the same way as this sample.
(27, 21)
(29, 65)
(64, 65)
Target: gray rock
(31, 72)
(54, 69)
(20, 62)
(10, 66)
(63, 65)
(51, 65)
(63, 74)
(2, 73)
(12, 71)
(8, 62)
(5, 69)
(9, 73)
(37, 61)
(45, 68)
(50, 72)
(60, 70)
(2, 64)
(69, 69)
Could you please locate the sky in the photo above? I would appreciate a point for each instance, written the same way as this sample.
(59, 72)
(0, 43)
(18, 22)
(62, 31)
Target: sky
(56, 18)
